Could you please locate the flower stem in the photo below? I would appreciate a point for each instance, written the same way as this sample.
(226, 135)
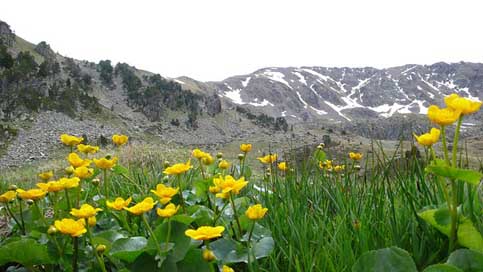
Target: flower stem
(169, 235)
(236, 216)
(151, 232)
(99, 258)
(21, 216)
(456, 139)
(42, 218)
(445, 146)
(106, 187)
(75, 241)
(14, 218)
(67, 199)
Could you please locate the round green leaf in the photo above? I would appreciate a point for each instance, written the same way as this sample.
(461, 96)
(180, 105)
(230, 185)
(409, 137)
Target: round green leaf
(466, 260)
(442, 268)
(391, 259)
(128, 249)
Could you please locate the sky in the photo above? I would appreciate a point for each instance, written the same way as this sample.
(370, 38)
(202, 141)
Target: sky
(213, 39)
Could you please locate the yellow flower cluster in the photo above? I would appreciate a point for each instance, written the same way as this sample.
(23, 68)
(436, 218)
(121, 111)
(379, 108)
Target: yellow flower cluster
(165, 193)
(178, 168)
(70, 140)
(457, 107)
(119, 139)
(355, 156)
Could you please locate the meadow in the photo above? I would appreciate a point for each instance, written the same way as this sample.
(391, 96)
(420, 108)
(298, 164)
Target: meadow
(374, 211)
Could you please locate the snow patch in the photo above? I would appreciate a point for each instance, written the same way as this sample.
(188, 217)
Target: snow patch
(319, 112)
(245, 82)
(301, 78)
(261, 104)
(302, 100)
(276, 76)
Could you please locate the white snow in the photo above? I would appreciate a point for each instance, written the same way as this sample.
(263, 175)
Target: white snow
(325, 78)
(284, 113)
(419, 88)
(301, 78)
(233, 95)
(261, 104)
(409, 69)
(387, 110)
(178, 81)
(276, 76)
(245, 82)
(337, 109)
(319, 112)
(302, 100)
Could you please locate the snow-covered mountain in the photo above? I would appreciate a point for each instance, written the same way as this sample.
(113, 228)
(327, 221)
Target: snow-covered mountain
(347, 94)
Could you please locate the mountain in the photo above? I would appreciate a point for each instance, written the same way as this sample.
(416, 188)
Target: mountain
(348, 94)
(44, 94)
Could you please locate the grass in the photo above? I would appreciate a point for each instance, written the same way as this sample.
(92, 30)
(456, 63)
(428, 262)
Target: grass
(319, 221)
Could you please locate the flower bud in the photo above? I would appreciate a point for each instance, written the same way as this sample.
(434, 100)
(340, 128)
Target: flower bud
(356, 224)
(357, 167)
(12, 187)
(69, 170)
(96, 182)
(219, 155)
(165, 179)
(92, 221)
(208, 255)
(166, 164)
(241, 156)
(52, 230)
(101, 248)
(30, 202)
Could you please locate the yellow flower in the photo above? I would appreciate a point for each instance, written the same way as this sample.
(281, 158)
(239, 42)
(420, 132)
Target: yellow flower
(70, 140)
(51, 186)
(87, 149)
(33, 194)
(178, 168)
(355, 156)
(119, 139)
(105, 163)
(325, 164)
(92, 221)
(83, 172)
(71, 227)
(442, 117)
(168, 211)
(428, 139)
(85, 211)
(8, 196)
(228, 184)
(268, 159)
(339, 168)
(165, 193)
(227, 269)
(77, 161)
(256, 212)
(282, 166)
(224, 164)
(144, 206)
(46, 175)
(245, 148)
(69, 183)
(205, 232)
(198, 154)
(464, 105)
(207, 160)
(119, 203)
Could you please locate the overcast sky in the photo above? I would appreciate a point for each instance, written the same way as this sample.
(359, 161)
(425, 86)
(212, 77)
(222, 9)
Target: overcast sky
(214, 39)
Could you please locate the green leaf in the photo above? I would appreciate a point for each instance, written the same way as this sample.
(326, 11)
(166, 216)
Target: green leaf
(120, 170)
(27, 252)
(466, 260)
(470, 176)
(319, 155)
(467, 234)
(193, 262)
(391, 259)
(182, 218)
(229, 251)
(144, 262)
(442, 268)
(180, 240)
(429, 217)
(263, 248)
(128, 249)
(202, 216)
